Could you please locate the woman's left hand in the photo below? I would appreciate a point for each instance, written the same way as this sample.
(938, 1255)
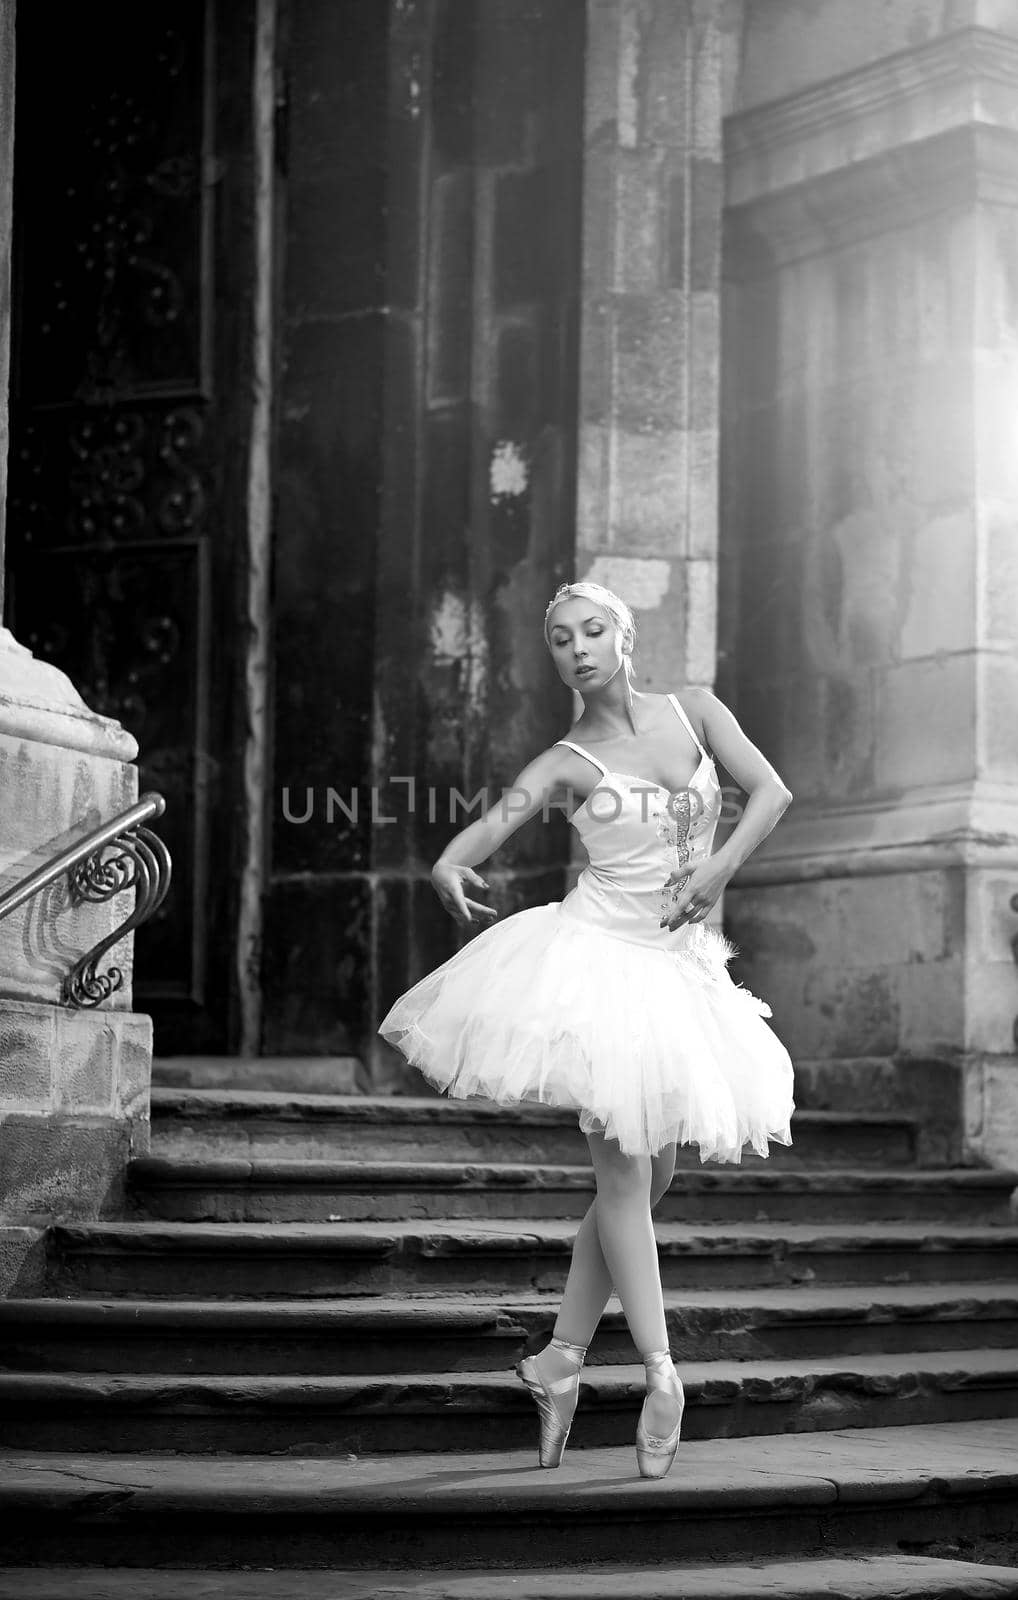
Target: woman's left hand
(695, 893)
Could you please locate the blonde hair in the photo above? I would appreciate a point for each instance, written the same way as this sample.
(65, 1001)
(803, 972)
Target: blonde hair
(616, 609)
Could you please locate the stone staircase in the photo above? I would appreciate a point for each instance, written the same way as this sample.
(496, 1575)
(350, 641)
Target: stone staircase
(296, 1353)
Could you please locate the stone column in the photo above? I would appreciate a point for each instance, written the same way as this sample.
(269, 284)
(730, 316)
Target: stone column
(870, 578)
(647, 518)
(73, 1084)
(6, 218)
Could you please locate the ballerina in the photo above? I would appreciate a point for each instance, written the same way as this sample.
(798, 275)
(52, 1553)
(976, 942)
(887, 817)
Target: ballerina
(615, 1001)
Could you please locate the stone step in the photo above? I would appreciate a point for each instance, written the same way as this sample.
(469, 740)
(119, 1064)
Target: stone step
(307, 1074)
(861, 1577)
(199, 1122)
(183, 1260)
(455, 1411)
(256, 1189)
(777, 1495)
(376, 1336)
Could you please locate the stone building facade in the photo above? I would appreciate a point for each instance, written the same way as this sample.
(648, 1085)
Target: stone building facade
(433, 304)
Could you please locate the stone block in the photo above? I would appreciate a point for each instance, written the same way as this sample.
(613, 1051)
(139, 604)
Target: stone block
(999, 575)
(945, 427)
(991, 1005)
(992, 924)
(991, 1109)
(651, 361)
(677, 206)
(781, 925)
(600, 114)
(601, 240)
(51, 797)
(593, 503)
(134, 1065)
(649, 489)
(22, 1261)
(938, 587)
(895, 919)
(62, 1167)
(844, 734)
(851, 592)
(700, 578)
(666, 72)
(85, 1051)
(996, 304)
(996, 399)
(597, 360)
(913, 700)
(852, 1012)
(707, 89)
(641, 221)
(26, 1056)
(998, 722)
(927, 1087)
(702, 494)
(856, 923)
(704, 339)
(706, 190)
(931, 1005)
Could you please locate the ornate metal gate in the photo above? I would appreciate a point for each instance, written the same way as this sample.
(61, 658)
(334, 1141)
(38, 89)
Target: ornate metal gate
(125, 525)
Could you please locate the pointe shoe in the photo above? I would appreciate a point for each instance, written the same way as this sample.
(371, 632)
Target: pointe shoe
(654, 1456)
(554, 1432)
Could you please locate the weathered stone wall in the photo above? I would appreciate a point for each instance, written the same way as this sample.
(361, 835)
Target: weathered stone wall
(647, 518)
(6, 224)
(426, 480)
(73, 1085)
(869, 587)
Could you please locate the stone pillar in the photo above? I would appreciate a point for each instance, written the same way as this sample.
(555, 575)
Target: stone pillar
(73, 1084)
(870, 590)
(6, 189)
(647, 519)
(426, 483)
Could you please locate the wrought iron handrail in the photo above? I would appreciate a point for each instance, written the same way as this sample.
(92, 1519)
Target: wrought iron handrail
(142, 863)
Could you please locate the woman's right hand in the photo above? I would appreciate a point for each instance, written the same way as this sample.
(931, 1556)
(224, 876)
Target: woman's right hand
(448, 880)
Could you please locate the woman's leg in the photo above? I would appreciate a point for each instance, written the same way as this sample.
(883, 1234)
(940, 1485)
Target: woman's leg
(589, 1283)
(589, 1286)
(630, 1251)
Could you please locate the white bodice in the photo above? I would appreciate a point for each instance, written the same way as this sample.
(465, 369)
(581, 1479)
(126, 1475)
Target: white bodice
(636, 834)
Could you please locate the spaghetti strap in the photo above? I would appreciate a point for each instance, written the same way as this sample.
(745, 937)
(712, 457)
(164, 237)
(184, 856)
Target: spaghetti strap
(688, 724)
(586, 753)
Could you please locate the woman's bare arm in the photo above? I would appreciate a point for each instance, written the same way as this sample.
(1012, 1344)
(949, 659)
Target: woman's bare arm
(768, 795)
(532, 791)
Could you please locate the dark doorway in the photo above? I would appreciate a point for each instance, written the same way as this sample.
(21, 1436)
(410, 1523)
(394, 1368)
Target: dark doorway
(129, 418)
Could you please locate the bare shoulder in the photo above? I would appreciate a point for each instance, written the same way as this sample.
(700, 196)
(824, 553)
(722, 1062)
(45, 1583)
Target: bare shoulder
(719, 730)
(698, 704)
(555, 766)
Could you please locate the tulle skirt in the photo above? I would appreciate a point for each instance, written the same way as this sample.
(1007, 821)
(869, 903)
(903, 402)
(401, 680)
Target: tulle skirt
(648, 1045)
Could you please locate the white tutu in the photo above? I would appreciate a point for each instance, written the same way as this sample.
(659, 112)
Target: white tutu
(590, 1003)
(648, 1045)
